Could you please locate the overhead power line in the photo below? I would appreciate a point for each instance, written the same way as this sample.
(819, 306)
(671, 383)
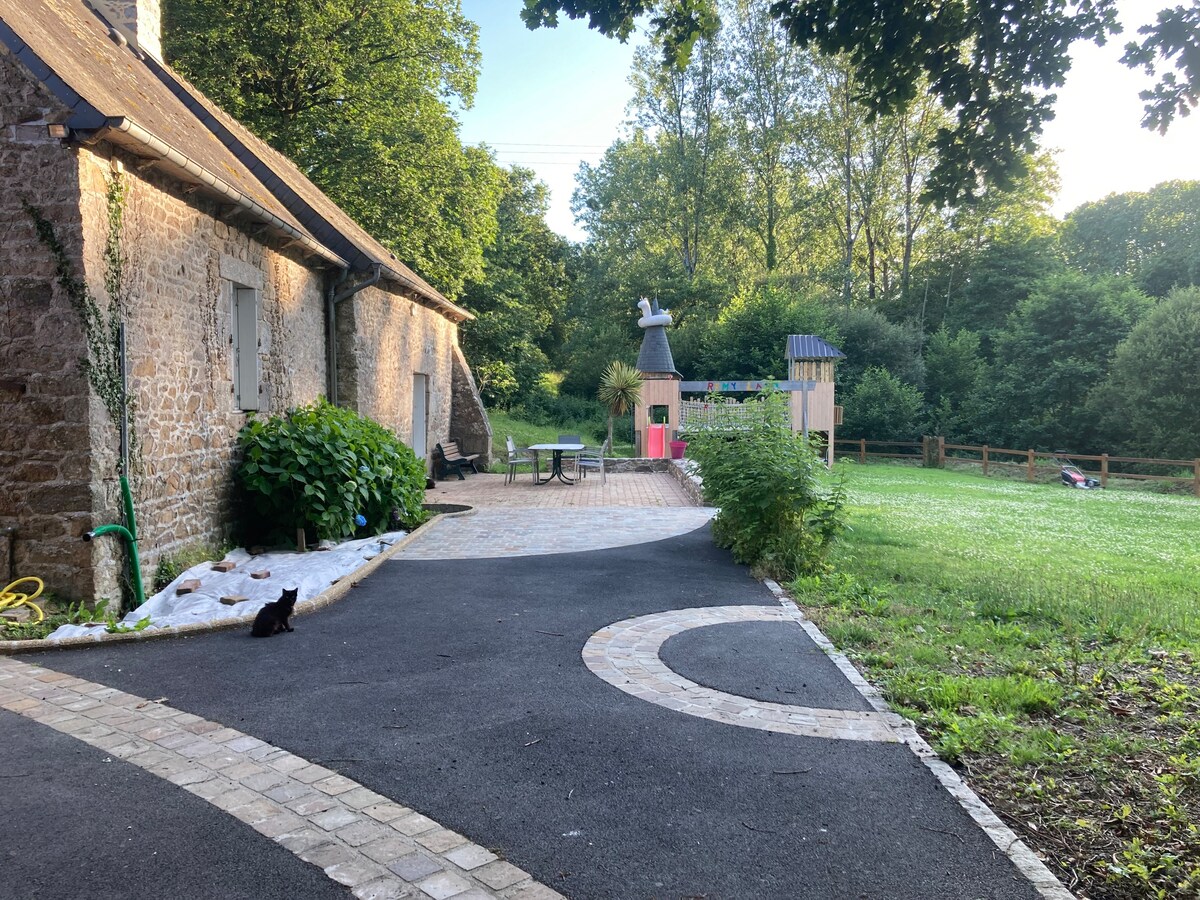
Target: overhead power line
(515, 144)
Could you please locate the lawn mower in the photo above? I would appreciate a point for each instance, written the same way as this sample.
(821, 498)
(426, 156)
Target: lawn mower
(1071, 474)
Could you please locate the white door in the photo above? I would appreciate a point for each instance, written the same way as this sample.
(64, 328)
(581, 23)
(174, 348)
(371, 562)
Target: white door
(420, 414)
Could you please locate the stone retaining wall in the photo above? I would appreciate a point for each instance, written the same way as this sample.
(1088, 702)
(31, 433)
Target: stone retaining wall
(469, 422)
(643, 465)
(685, 473)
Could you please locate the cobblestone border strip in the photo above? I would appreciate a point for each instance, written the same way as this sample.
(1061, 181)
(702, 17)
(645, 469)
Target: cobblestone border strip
(327, 597)
(1026, 861)
(363, 840)
(626, 656)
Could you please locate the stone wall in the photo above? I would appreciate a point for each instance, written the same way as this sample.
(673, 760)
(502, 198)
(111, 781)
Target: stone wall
(468, 419)
(384, 338)
(58, 444)
(44, 399)
(182, 262)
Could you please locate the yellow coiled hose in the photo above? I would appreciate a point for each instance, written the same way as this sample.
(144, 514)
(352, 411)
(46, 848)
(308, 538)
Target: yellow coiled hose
(11, 599)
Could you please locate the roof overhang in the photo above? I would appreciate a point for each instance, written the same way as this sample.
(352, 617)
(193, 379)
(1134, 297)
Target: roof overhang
(127, 134)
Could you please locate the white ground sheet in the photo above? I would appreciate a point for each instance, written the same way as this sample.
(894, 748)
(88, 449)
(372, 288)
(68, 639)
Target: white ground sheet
(310, 572)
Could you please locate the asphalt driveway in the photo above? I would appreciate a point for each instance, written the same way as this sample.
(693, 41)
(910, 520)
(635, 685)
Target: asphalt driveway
(456, 687)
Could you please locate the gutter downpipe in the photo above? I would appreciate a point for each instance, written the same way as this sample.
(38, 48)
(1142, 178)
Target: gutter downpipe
(128, 531)
(335, 295)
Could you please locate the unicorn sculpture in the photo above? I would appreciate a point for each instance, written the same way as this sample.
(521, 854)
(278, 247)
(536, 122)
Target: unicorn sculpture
(655, 356)
(652, 315)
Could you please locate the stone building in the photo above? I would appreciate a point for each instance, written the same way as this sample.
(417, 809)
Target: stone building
(242, 289)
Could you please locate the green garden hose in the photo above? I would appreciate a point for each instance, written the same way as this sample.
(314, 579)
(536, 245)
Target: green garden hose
(129, 534)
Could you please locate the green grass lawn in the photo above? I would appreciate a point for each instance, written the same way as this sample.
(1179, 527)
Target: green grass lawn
(1045, 639)
(526, 433)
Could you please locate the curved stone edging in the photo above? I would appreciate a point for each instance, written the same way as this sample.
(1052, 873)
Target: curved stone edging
(370, 843)
(330, 595)
(626, 656)
(1006, 841)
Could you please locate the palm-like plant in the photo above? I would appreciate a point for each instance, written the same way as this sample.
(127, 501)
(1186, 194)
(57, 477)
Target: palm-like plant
(620, 390)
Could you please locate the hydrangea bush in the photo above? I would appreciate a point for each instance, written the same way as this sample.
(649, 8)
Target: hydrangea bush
(328, 469)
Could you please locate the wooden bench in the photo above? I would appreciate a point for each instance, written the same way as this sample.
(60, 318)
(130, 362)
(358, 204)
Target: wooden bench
(451, 458)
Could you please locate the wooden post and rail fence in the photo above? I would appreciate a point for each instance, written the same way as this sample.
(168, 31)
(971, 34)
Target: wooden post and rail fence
(935, 452)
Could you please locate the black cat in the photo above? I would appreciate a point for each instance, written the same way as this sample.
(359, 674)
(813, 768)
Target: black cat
(273, 618)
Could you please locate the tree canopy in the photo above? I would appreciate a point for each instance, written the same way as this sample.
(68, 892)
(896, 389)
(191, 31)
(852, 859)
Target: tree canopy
(1152, 392)
(519, 301)
(1151, 236)
(356, 93)
(992, 65)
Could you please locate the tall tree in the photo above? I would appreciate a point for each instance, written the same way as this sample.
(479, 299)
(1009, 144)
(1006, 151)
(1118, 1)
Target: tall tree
(954, 374)
(869, 339)
(520, 301)
(678, 108)
(1152, 236)
(982, 260)
(843, 154)
(763, 80)
(659, 205)
(881, 407)
(915, 145)
(748, 338)
(1054, 350)
(1153, 390)
(355, 92)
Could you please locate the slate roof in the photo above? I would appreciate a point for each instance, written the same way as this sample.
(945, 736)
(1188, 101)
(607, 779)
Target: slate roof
(119, 95)
(655, 355)
(809, 346)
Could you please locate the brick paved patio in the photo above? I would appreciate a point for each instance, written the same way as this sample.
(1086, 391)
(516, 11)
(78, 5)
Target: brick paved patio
(621, 489)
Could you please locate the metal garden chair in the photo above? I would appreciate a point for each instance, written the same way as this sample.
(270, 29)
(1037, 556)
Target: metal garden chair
(518, 456)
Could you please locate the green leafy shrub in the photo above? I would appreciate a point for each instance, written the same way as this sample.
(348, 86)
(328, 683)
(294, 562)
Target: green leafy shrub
(774, 512)
(331, 470)
(882, 408)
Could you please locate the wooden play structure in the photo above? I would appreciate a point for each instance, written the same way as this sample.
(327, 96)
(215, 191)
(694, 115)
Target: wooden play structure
(663, 415)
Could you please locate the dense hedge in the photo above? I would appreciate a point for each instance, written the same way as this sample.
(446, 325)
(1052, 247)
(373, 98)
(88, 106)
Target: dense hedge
(330, 470)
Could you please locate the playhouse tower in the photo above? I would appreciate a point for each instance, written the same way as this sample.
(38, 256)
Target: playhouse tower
(660, 384)
(811, 362)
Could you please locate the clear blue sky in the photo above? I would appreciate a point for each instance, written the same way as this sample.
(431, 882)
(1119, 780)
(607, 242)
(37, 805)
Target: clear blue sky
(547, 99)
(550, 99)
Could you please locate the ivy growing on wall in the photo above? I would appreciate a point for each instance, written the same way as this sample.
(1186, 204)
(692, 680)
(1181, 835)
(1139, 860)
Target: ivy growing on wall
(101, 324)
